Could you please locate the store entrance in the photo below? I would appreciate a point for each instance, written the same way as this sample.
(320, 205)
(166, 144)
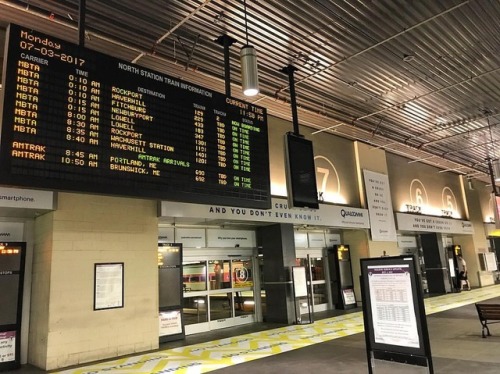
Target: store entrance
(314, 262)
(218, 292)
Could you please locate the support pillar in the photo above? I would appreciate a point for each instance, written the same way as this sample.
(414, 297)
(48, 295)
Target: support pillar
(278, 248)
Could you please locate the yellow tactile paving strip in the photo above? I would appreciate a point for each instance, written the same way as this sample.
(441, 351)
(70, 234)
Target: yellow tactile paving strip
(202, 358)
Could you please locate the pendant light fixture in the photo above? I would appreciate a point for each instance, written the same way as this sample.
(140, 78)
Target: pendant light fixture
(248, 57)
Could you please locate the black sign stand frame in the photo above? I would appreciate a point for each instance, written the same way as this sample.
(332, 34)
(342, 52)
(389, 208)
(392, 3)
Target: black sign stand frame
(402, 354)
(16, 327)
(296, 285)
(179, 307)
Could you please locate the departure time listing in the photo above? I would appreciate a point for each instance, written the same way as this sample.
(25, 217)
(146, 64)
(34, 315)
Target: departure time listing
(74, 115)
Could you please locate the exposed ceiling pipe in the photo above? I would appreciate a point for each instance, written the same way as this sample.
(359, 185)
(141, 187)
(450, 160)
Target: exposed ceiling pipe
(454, 169)
(461, 134)
(82, 5)
(368, 134)
(394, 106)
(415, 137)
(57, 21)
(421, 159)
(378, 44)
(171, 31)
(42, 15)
(471, 147)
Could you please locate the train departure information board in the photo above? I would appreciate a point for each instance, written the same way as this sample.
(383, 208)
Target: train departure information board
(74, 119)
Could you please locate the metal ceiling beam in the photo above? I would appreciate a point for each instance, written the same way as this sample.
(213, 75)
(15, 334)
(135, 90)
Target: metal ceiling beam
(171, 31)
(423, 145)
(346, 59)
(81, 22)
(439, 90)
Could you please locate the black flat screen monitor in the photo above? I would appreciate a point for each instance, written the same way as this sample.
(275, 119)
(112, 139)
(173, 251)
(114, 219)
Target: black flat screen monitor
(300, 172)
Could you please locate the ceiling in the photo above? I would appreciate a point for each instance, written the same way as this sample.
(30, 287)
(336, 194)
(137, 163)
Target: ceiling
(418, 78)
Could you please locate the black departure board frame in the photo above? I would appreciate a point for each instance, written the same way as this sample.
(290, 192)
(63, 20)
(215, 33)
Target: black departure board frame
(78, 120)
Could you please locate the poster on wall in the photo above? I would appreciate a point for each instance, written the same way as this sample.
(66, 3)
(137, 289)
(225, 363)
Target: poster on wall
(7, 346)
(378, 197)
(491, 261)
(496, 209)
(108, 286)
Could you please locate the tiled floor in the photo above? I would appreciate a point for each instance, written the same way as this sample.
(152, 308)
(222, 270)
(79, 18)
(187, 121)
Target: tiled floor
(333, 344)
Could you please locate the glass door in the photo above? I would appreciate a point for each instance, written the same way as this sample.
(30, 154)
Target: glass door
(218, 293)
(317, 271)
(194, 282)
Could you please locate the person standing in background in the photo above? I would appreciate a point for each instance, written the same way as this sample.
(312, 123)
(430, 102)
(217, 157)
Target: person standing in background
(218, 276)
(462, 273)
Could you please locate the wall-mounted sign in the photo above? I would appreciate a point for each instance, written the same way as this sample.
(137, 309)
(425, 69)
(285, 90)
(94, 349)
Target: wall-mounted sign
(420, 223)
(300, 239)
(420, 188)
(328, 180)
(11, 231)
(166, 235)
(378, 196)
(405, 241)
(230, 238)
(332, 239)
(316, 240)
(496, 211)
(420, 204)
(108, 286)
(26, 199)
(191, 238)
(326, 215)
(491, 261)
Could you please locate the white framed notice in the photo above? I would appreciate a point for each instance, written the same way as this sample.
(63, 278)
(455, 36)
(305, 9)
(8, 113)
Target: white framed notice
(299, 281)
(392, 308)
(491, 261)
(348, 295)
(170, 322)
(108, 286)
(451, 265)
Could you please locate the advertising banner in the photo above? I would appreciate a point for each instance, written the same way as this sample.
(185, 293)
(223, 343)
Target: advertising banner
(378, 197)
(421, 223)
(280, 212)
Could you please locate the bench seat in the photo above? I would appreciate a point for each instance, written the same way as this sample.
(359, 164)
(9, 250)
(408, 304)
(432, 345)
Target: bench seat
(488, 314)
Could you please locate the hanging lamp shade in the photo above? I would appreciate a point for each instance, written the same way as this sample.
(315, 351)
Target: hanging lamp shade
(249, 71)
(496, 170)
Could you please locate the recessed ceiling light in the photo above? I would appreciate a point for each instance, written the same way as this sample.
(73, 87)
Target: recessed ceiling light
(408, 58)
